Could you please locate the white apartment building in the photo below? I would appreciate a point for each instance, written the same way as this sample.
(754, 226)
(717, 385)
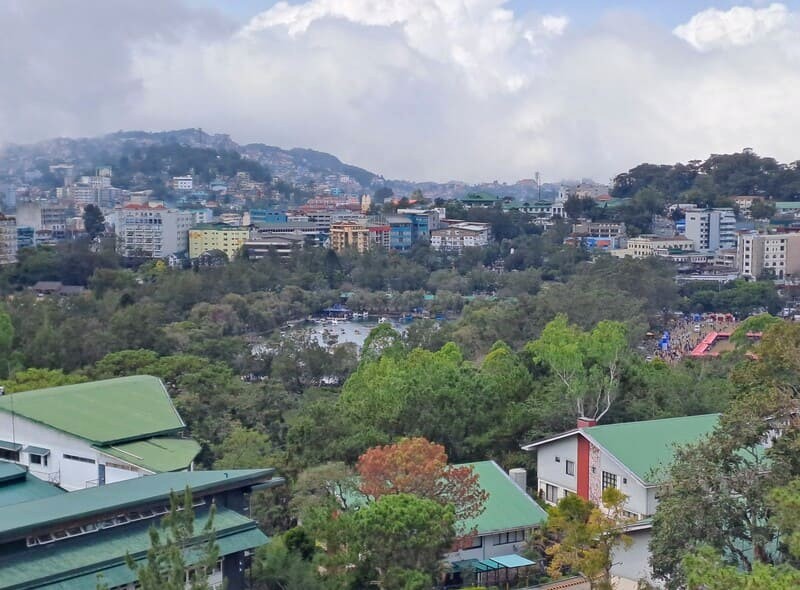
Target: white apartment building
(8, 240)
(458, 236)
(711, 229)
(182, 183)
(778, 254)
(152, 232)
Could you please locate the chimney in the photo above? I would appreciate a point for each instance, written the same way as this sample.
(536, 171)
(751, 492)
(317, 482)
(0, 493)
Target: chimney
(584, 422)
(520, 477)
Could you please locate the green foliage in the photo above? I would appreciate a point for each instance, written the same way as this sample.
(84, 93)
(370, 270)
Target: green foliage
(39, 379)
(755, 324)
(276, 566)
(93, 221)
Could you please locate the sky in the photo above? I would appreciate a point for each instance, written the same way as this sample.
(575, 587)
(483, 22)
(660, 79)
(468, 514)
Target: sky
(474, 90)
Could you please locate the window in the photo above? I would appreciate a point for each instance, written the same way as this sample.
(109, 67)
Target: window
(609, 480)
(558, 459)
(570, 467)
(551, 494)
(38, 460)
(9, 455)
(630, 515)
(510, 537)
(77, 458)
(472, 543)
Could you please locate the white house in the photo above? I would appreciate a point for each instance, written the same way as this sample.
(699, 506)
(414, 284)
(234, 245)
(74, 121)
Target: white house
(631, 457)
(92, 434)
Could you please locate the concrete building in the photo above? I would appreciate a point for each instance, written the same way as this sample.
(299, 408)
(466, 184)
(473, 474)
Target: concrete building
(423, 222)
(145, 231)
(92, 434)
(217, 236)
(627, 456)
(349, 235)
(314, 233)
(760, 255)
(277, 245)
(262, 216)
(644, 246)
(457, 236)
(53, 539)
(182, 183)
(42, 216)
(25, 237)
(379, 236)
(8, 240)
(711, 229)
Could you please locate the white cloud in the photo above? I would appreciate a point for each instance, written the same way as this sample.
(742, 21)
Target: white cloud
(741, 25)
(418, 89)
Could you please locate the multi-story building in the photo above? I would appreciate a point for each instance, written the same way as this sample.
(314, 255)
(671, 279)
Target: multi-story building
(92, 434)
(261, 216)
(314, 233)
(423, 222)
(631, 457)
(711, 229)
(8, 240)
(599, 229)
(217, 236)
(458, 236)
(778, 255)
(25, 237)
(42, 216)
(349, 235)
(145, 231)
(644, 246)
(379, 236)
(182, 183)
(401, 233)
(277, 245)
(53, 539)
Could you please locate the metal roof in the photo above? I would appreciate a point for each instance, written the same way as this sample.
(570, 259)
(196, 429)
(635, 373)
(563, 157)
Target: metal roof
(16, 521)
(103, 412)
(156, 454)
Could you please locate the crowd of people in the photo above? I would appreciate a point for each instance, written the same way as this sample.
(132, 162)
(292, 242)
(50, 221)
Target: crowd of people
(687, 331)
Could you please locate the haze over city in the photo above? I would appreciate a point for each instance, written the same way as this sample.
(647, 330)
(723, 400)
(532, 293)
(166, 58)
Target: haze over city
(474, 90)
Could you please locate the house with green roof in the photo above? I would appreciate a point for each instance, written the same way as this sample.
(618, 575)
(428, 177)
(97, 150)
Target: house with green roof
(73, 541)
(632, 457)
(92, 434)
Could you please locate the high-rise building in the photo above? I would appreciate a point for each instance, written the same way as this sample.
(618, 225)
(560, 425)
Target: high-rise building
(768, 254)
(42, 216)
(144, 231)
(423, 222)
(8, 240)
(456, 237)
(711, 229)
(349, 235)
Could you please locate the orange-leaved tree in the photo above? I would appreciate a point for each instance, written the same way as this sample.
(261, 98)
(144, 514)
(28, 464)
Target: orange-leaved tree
(418, 466)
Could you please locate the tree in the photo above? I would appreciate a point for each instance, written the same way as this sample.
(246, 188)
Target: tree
(417, 466)
(6, 340)
(754, 324)
(244, 448)
(401, 534)
(382, 339)
(762, 209)
(586, 537)
(93, 221)
(277, 566)
(166, 564)
(588, 365)
(40, 379)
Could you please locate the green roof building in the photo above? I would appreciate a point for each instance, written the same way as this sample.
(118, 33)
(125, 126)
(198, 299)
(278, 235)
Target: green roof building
(95, 433)
(72, 541)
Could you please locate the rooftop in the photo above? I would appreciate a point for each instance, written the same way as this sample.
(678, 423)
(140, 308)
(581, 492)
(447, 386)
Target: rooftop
(219, 227)
(103, 412)
(17, 485)
(16, 520)
(508, 507)
(644, 447)
(156, 454)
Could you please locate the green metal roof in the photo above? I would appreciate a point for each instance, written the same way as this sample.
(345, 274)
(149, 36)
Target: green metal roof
(75, 563)
(508, 507)
(16, 520)
(17, 486)
(32, 450)
(644, 447)
(9, 446)
(103, 412)
(787, 205)
(156, 454)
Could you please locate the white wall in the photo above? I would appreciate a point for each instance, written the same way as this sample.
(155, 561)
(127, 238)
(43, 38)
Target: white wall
(636, 492)
(555, 473)
(489, 548)
(69, 474)
(632, 563)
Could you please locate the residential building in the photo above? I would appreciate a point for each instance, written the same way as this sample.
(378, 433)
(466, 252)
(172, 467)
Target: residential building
(788, 208)
(145, 231)
(775, 254)
(457, 236)
(401, 232)
(423, 222)
(649, 245)
(8, 240)
(711, 229)
(745, 202)
(631, 457)
(217, 236)
(182, 183)
(350, 235)
(96, 433)
(380, 236)
(54, 540)
(278, 245)
(230, 218)
(200, 215)
(315, 233)
(599, 229)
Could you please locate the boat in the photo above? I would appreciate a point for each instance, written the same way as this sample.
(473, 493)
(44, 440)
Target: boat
(383, 320)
